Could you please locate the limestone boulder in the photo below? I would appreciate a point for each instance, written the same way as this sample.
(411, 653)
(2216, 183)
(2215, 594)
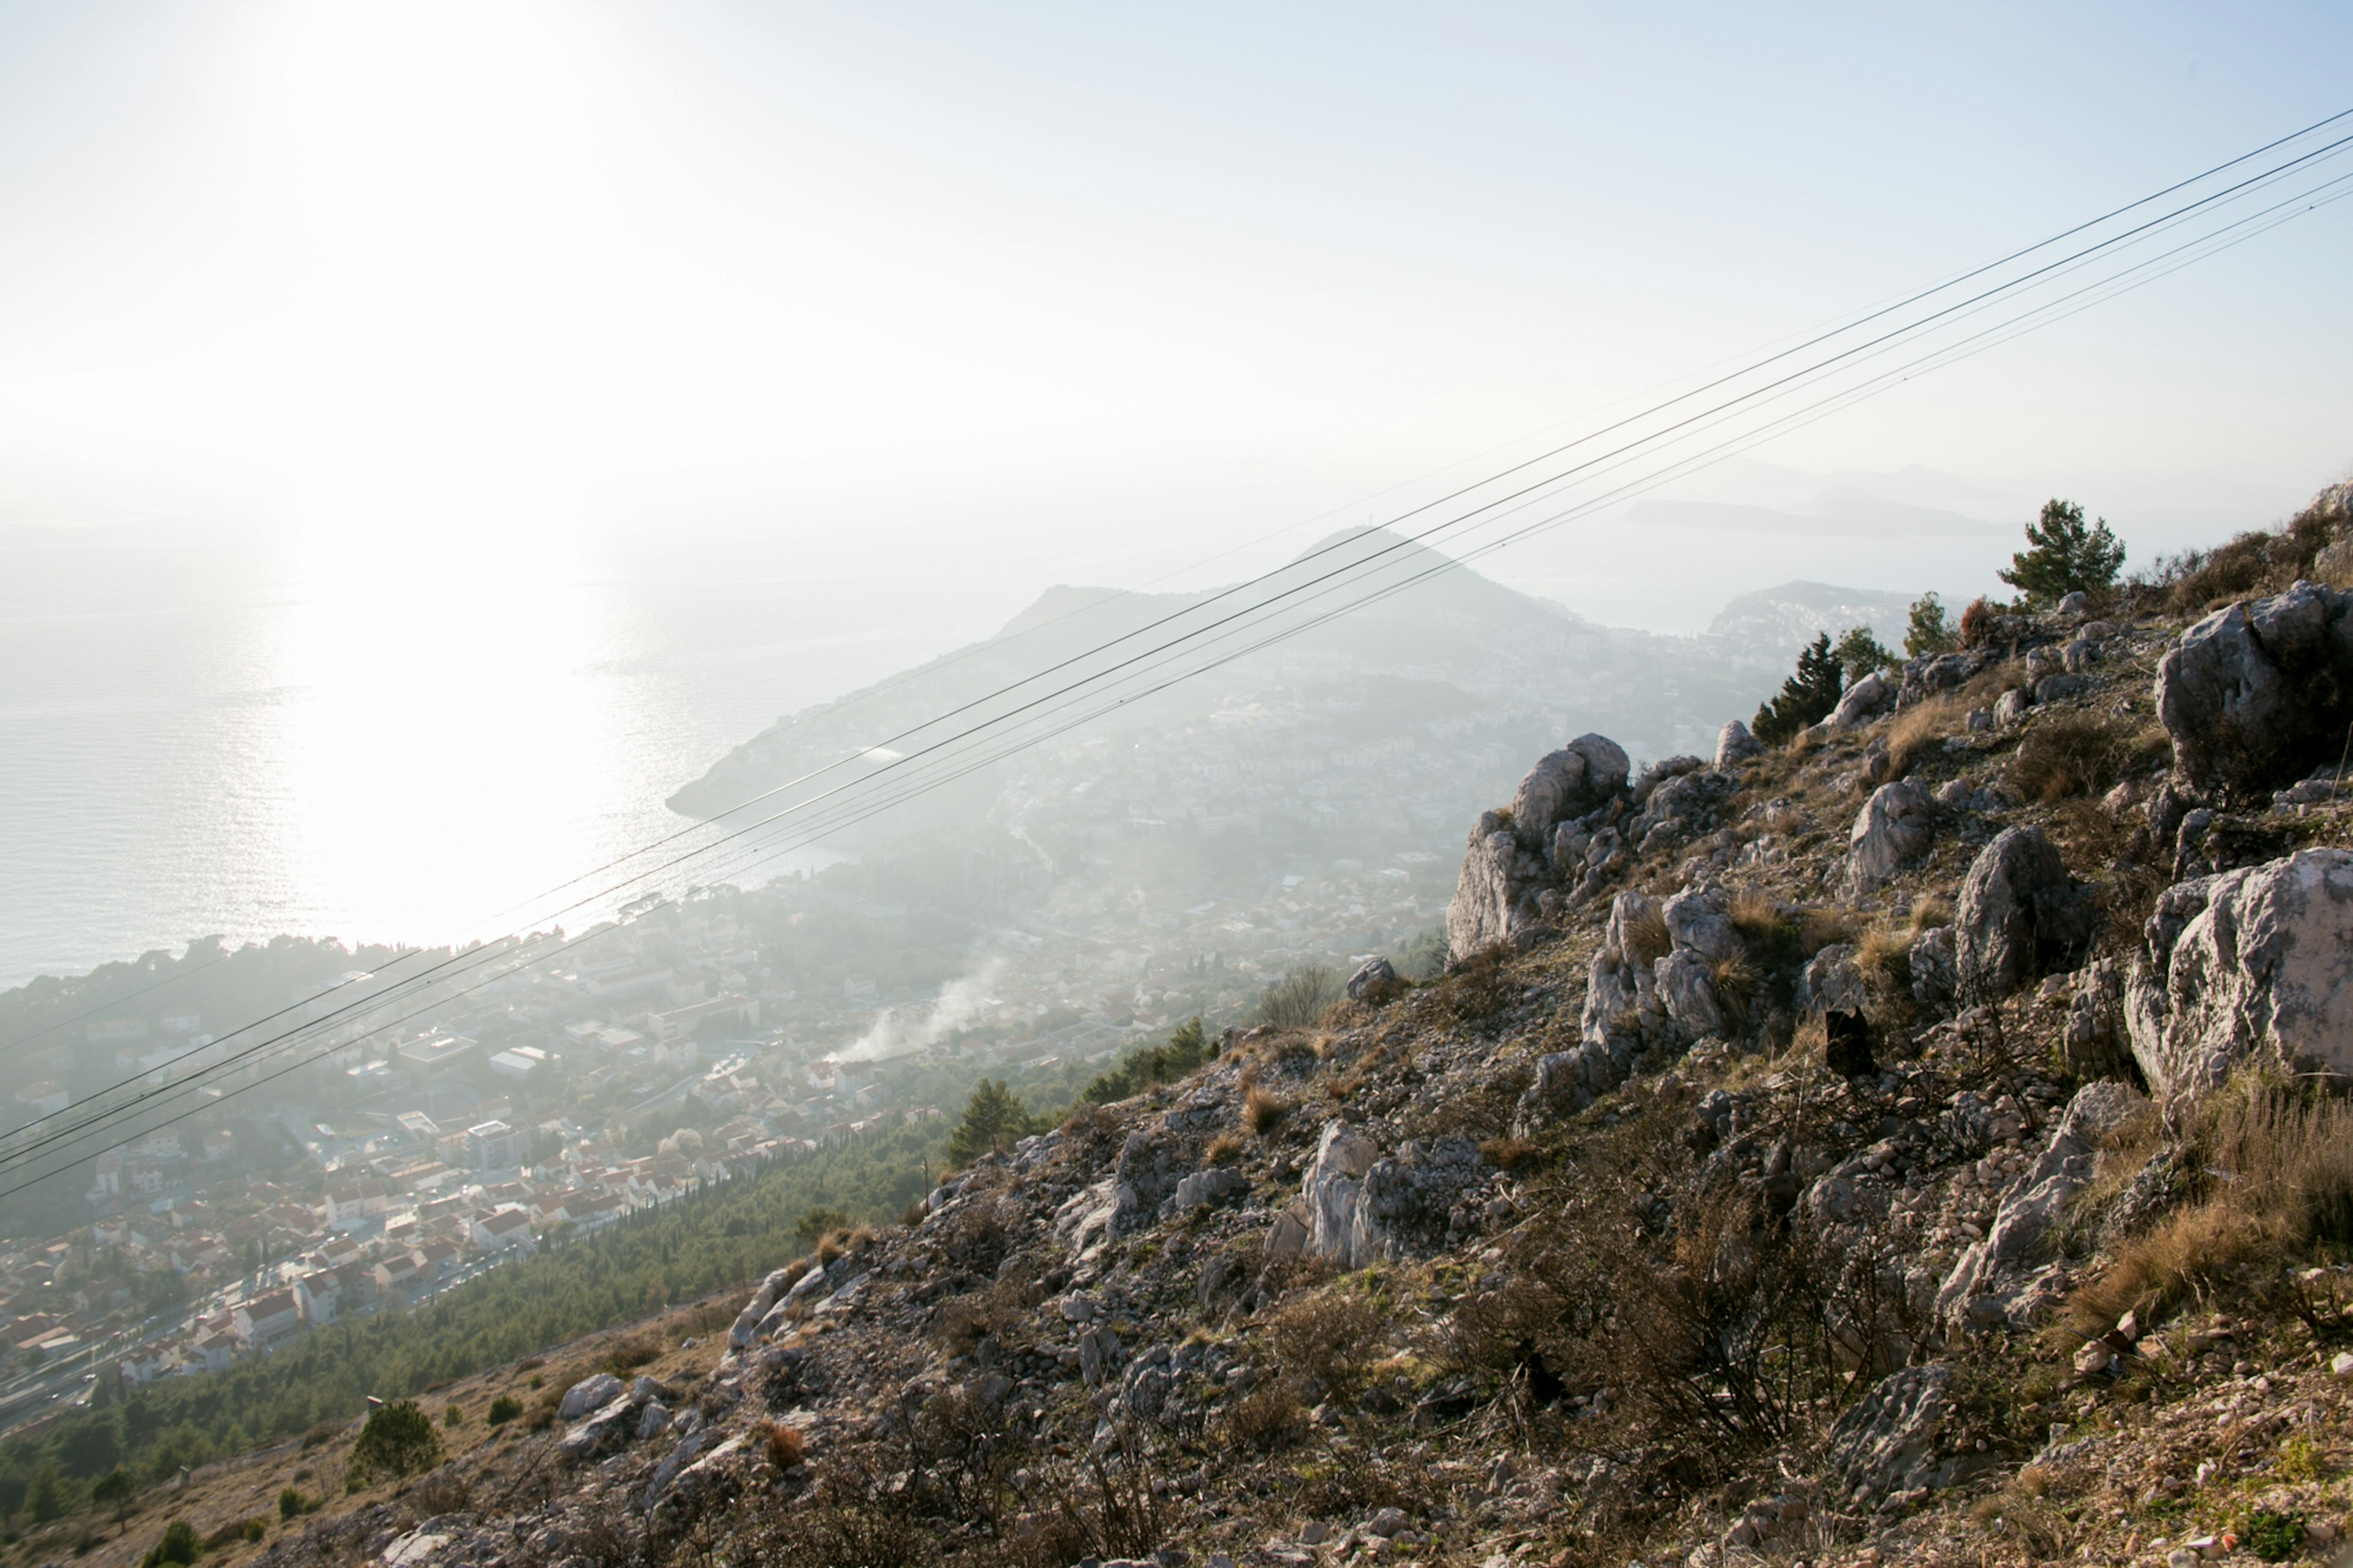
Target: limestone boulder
(590, 1393)
(2019, 915)
(1735, 744)
(1494, 893)
(1587, 774)
(1374, 983)
(1864, 700)
(1338, 1227)
(1659, 773)
(2248, 694)
(2251, 965)
(1895, 826)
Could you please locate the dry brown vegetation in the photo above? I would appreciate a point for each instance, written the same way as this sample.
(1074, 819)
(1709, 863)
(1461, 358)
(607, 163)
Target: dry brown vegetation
(1263, 1110)
(2072, 755)
(1325, 1339)
(1920, 730)
(2274, 1175)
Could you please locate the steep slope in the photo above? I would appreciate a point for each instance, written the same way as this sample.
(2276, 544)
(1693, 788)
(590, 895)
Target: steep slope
(1916, 1144)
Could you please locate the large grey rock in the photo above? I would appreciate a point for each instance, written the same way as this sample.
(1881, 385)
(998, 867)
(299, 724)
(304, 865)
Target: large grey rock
(1203, 1187)
(1996, 1266)
(1934, 973)
(1659, 773)
(1495, 874)
(2018, 912)
(1895, 826)
(589, 1394)
(1372, 981)
(2252, 965)
(1150, 1165)
(1687, 987)
(1699, 920)
(1587, 774)
(2249, 691)
(1735, 744)
(1863, 701)
(1338, 1224)
(1621, 993)
(1832, 981)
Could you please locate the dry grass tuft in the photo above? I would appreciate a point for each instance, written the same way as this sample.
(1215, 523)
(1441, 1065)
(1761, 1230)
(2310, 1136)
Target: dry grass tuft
(1646, 933)
(1263, 1110)
(1511, 1155)
(1921, 729)
(1930, 911)
(1224, 1148)
(1266, 1417)
(2278, 1178)
(1825, 926)
(783, 1444)
(1756, 916)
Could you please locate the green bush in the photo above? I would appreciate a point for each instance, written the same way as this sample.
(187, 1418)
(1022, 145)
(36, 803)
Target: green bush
(398, 1441)
(292, 1504)
(1860, 652)
(2272, 1536)
(179, 1545)
(115, 1489)
(504, 1409)
(48, 1499)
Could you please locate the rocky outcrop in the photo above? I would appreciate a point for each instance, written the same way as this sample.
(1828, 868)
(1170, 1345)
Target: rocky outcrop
(1338, 1224)
(1734, 745)
(1989, 1276)
(1587, 774)
(1513, 856)
(1861, 702)
(1889, 1443)
(2248, 693)
(2252, 965)
(1895, 826)
(2019, 915)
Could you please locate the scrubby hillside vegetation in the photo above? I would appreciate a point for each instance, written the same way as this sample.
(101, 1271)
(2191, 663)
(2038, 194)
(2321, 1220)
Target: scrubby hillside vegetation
(1920, 1141)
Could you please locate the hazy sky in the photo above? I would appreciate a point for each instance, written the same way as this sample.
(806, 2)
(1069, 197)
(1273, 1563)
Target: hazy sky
(1113, 286)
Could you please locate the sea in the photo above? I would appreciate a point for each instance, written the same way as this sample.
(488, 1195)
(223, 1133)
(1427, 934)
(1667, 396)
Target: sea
(208, 730)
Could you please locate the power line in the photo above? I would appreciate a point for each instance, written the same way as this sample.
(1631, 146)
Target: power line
(1239, 618)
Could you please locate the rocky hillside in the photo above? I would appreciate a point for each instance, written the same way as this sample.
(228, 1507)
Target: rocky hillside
(1919, 1143)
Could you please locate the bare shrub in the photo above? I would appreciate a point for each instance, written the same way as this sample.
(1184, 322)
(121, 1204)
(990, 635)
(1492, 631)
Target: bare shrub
(1298, 999)
(1756, 914)
(960, 1322)
(782, 1443)
(1976, 622)
(1263, 1110)
(1327, 1338)
(628, 1354)
(1511, 1155)
(1477, 988)
(2069, 754)
(1113, 1504)
(1266, 1417)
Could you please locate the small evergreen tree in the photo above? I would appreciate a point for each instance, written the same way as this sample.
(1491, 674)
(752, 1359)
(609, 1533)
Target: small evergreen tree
(114, 1491)
(2064, 556)
(1858, 653)
(179, 1545)
(398, 1440)
(1928, 633)
(994, 1119)
(48, 1498)
(1805, 697)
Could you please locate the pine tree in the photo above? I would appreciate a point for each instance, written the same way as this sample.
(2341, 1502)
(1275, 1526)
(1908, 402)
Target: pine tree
(1928, 633)
(993, 1120)
(1858, 653)
(2064, 556)
(1805, 697)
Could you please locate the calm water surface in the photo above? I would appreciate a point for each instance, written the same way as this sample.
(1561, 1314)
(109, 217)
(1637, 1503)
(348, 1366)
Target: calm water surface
(223, 733)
